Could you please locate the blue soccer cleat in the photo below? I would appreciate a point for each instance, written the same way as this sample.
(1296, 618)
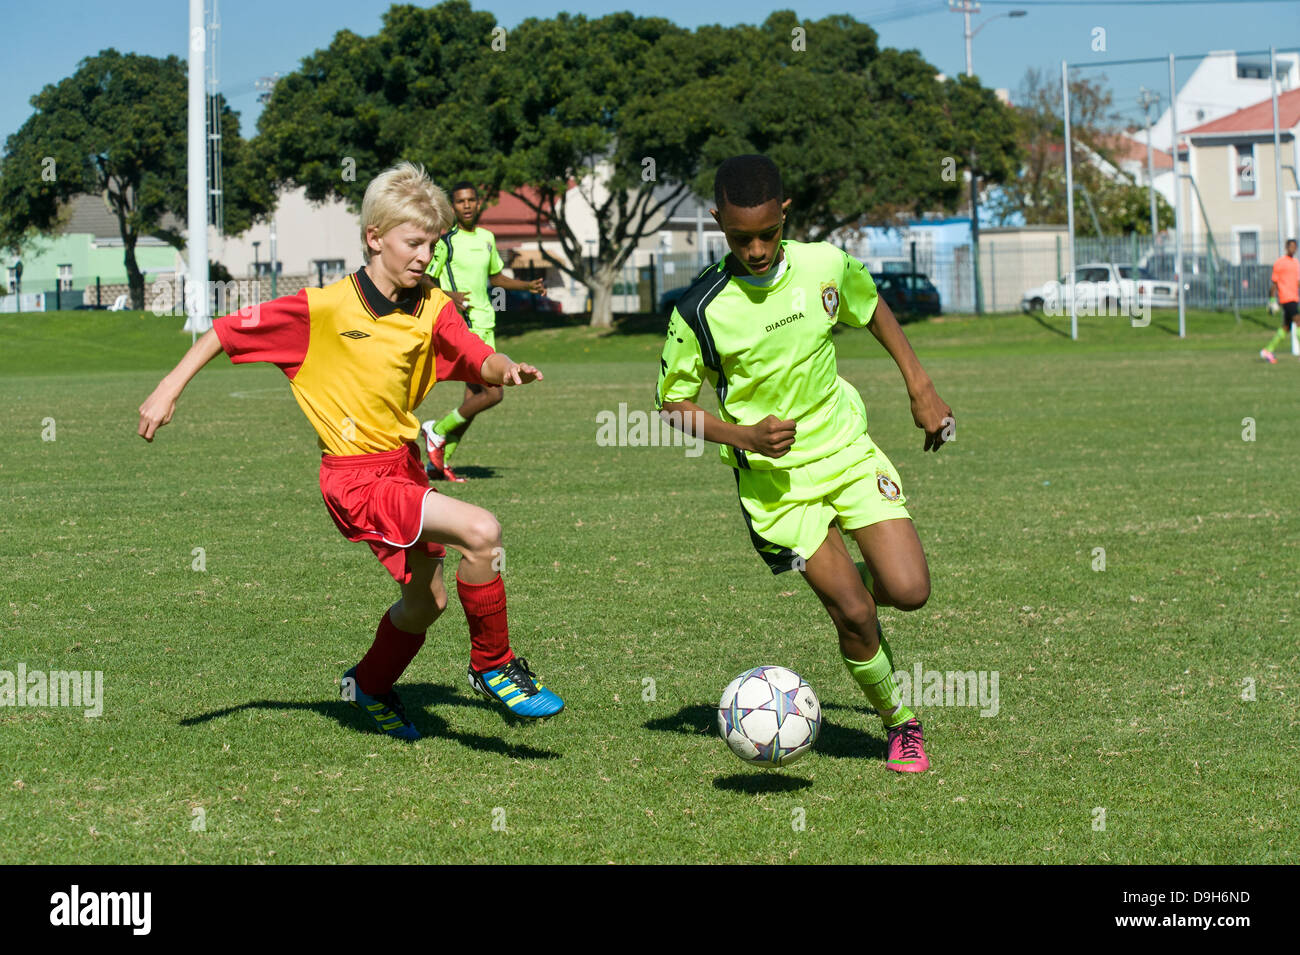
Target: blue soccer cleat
(517, 688)
(385, 710)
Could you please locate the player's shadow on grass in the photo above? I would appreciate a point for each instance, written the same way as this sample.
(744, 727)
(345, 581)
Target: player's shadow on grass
(834, 740)
(417, 698)
(475, 472)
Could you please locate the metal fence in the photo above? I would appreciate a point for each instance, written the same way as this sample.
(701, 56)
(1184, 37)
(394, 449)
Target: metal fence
(1216, 275)
(164, 293)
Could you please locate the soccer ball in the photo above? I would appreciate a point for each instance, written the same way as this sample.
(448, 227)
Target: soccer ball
(769, 716)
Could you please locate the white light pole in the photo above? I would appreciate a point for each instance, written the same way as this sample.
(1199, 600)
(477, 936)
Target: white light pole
(966, 8)
(197, 194)
(1277, 152)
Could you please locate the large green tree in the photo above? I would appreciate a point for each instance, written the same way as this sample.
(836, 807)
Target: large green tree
(116, 128)
(614, 121)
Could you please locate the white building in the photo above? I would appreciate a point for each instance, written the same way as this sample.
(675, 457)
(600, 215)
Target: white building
(1221, 84)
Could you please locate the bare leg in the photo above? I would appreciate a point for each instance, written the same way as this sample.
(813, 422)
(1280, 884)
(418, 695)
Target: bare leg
(478, 398)
(424, 597)
(893, 554)
(471, 530)
(834, 578)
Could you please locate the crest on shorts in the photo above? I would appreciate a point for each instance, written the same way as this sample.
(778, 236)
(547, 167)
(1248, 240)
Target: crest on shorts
(830, 299)
(889, 489)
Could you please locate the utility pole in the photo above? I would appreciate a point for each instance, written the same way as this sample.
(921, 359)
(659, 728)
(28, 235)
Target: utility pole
(966, 8)
(1147, 99)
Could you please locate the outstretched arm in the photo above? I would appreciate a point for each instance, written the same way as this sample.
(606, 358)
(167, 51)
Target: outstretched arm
(498, 369)
(930, 412)
(159, 407)
(499, 279)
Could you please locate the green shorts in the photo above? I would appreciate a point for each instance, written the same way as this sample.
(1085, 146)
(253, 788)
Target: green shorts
(789, 510)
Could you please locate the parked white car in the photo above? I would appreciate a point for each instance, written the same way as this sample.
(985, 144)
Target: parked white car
(1101, 287)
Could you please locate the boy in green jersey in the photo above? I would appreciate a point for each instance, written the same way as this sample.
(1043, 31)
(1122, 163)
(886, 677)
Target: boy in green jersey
(465, 262)
(758, 326)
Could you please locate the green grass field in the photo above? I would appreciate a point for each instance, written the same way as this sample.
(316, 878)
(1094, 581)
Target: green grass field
(1120, 689)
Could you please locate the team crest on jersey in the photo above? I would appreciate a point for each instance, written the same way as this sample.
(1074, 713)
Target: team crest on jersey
(889, 490)
(830, 299)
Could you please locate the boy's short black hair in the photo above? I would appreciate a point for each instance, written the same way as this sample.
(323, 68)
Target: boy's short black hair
(463, 184)
(747, 181)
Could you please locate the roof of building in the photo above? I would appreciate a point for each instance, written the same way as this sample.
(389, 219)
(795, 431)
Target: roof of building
(1126, 149)
(1256, 118)
(511, 221)
(91, 215)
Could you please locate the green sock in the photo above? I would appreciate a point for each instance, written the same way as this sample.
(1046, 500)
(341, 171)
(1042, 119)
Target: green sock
(450, 428)
(876, 678)
(1277, 340)
(449, 423)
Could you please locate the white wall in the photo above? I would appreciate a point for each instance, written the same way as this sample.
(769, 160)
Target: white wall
(1213, 91)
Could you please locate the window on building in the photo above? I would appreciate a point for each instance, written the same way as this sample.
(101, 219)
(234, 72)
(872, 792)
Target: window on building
(1244, 167)
(65, 278)
(264, 268)
(1258, 69)
(1248, 247)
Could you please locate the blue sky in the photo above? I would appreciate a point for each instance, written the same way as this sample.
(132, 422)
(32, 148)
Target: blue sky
(43, 41)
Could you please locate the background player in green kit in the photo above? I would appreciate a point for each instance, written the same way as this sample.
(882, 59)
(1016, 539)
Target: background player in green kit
(758, 326)
(465, 263)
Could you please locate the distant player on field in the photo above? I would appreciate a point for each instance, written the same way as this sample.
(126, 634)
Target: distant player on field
(1285, 292)
(758, 326)
(465, 263)
(360, 355)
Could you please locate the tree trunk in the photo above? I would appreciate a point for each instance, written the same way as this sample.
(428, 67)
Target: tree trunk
(602, 298)
(134, 278)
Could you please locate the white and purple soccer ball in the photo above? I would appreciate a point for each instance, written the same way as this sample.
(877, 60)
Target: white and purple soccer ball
(769, 716)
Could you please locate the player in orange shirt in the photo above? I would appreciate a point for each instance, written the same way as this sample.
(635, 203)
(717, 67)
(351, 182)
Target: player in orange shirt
(1286, 294)
(360, 356)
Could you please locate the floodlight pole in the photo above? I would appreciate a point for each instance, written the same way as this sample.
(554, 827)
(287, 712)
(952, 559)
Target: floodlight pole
(197, 193)
(1069, 195)
(1277, 152)
(1178, 202)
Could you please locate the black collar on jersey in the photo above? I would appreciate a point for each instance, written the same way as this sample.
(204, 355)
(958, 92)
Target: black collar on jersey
(409, 300)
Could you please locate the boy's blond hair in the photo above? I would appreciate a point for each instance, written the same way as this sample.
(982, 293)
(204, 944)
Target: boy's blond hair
(402, 194)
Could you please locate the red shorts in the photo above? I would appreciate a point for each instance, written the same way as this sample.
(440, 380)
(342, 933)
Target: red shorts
(379, 499)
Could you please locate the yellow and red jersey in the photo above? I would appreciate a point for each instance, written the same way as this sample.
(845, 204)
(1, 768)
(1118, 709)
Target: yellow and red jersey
(359, 364)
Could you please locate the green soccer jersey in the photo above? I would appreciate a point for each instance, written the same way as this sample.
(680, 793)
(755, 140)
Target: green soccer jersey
(769, 350)
(463, 262)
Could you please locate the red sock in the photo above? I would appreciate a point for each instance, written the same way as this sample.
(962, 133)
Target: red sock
(387, 658)
(485, 611)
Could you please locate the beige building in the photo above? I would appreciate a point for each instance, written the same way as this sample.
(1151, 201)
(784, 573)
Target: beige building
(1232, 162)
(1017, 258)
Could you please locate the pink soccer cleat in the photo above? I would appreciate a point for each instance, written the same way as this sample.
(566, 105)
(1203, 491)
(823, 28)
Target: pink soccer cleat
(907, 748)
(1268, 356)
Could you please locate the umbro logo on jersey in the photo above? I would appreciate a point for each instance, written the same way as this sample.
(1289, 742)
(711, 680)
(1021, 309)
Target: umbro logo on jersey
(355, 334)
(785, 321)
